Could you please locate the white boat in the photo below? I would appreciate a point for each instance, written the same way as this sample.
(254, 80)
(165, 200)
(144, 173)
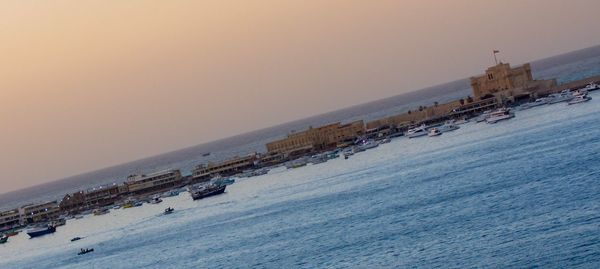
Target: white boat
(369, 144)
(591, 87)
(447, 127)
(100, 211)
(499, 115)
(483, 116)
(579, 99)
(537, 102)
(563, 96)
(416, 132)
(434, 132)
(156, 200)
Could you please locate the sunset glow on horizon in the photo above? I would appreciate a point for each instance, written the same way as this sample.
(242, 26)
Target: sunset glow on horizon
(90, 84)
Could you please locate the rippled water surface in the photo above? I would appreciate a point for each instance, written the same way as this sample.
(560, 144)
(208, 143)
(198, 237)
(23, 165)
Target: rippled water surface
(520, 193)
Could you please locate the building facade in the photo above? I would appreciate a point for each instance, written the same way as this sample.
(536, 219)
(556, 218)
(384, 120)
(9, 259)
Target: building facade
(317, 139)
(39, 212)
(152, 183)
(205, 172)
(9, 219)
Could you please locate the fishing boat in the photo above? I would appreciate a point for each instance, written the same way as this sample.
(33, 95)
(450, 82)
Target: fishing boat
(85, 251)
(40, 231)
(206, 191)
(169, 210)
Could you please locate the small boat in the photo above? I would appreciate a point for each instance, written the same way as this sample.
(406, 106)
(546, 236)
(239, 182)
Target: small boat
(579, 99)
(368, 144)
(461, 121)
(101, 211)
(499, 115)
(76, 239)
(3, 239)
(78, 216)
(137, 203)
(483, 116)
(385, 140)
(59, 222)
(591, 87)
(85, 251)
(564, 96)
(537, 102)
(40, 231)
(434, 132)
(207, 191)
(223, 181)
(170, 193)
(206, 154)
(156, 200)
(11, 233)
(448, 127)
(169, 210)
(296, 163)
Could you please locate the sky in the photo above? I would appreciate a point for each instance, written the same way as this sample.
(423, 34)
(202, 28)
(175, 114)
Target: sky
(91, 84)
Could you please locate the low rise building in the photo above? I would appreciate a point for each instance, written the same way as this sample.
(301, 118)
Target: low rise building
(317, 139)
(152, 183)
(205, 172)
(9, 219)
(73, 203)
(39, 212)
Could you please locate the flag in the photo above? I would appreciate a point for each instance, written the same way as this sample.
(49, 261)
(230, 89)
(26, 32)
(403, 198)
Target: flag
(496, 51)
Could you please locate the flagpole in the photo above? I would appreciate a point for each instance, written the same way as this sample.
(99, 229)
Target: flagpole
(495, 59)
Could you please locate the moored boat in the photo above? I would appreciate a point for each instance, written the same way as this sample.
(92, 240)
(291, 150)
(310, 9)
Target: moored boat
(416, 132)
(206, 191)
(3, 239)
(156, 200)
(40, 231)
(101, 211)
(434, 132)
(499, 115)
(579, 99)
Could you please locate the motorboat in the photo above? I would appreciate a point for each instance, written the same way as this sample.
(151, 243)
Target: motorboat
(591, 87)
(59, 222)
(85, 251)
(206, 191)
(579, 99)
(101, 211)
(156, 200)
(368, 144)
(385, 140)
(564, 96)
(447, 127)
(296, 163)
(170, 193)
(3, 239)
(537, 102)
(499, 115)
(416, 132)
(76, 239)
(223, 181)
(169, 210)
(483, 116)
(116, 206)
(434, 132)
(40, 231)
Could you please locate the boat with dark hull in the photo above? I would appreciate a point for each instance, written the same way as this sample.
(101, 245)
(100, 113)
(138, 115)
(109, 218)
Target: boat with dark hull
(36, 232)
(207, 191)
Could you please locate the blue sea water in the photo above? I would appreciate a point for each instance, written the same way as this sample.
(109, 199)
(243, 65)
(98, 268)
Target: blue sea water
(520, 193)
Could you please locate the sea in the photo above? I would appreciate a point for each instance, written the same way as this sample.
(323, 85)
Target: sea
(521, 193)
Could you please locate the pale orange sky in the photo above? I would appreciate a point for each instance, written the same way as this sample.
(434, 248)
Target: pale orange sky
(90, 84)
